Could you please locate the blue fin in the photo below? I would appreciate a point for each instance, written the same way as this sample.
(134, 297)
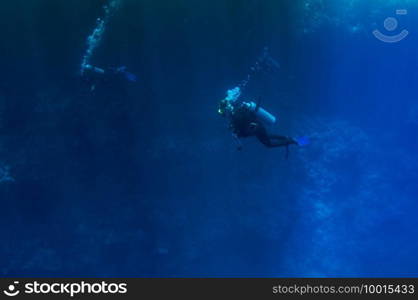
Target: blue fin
(131, 77)
(303, 141)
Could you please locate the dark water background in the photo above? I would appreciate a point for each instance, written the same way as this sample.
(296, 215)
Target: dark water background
(144, 180)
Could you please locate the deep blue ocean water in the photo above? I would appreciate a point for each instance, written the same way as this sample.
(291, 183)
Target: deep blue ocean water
(143, 179)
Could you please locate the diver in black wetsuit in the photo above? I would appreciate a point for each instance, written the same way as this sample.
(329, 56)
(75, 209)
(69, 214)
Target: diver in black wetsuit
(249, 119)
(94, 75)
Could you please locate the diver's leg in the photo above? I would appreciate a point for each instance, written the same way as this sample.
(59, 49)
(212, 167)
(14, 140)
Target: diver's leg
(263, 137)
(265, 141)
(273, 141)
(282, 141)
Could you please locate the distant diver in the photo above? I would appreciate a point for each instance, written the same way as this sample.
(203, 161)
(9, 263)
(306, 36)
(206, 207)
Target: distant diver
(248, 119)
(95, 75)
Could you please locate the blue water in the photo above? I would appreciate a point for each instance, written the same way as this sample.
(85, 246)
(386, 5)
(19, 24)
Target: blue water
(142, 178)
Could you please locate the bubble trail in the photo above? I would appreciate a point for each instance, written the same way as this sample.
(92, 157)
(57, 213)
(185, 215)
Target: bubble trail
(264, 63)
(94, 39)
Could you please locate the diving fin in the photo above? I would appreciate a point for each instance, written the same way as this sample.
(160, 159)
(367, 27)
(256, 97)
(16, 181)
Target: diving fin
(303, 141)
(130, 77)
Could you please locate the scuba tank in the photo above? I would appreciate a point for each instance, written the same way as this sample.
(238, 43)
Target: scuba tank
(262, 115)
(231, 100)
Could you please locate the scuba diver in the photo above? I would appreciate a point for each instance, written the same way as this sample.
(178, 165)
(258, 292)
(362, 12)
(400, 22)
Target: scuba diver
(95, 75)
(248, 119)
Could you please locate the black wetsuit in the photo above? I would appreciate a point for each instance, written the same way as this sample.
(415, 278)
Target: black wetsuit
(244, 123)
